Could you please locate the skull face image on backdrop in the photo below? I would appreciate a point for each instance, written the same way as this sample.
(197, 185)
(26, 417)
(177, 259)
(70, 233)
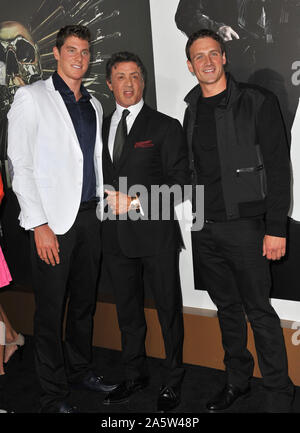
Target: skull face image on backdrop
(19, 65)
(19, 59)
(27, 35)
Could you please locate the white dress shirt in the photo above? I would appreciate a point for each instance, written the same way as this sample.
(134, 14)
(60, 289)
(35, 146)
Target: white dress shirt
(116, 117)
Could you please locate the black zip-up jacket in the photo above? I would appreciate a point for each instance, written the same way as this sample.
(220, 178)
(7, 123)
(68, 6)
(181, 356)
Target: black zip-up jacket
(255, 166)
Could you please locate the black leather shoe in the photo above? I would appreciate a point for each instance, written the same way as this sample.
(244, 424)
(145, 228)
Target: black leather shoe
(6, 410)
(125, 390)
(61, 407)
(226, 397)
(94, 383)
(168, 398)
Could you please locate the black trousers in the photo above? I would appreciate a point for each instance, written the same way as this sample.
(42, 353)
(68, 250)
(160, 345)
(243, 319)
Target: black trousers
(229, 264)
(76, 277)
(161, 274)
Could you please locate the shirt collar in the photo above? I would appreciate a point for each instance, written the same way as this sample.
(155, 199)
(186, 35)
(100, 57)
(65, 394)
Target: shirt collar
(133, 109)
(61, 86)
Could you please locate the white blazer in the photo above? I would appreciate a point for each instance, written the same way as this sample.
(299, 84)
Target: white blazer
(46, 157)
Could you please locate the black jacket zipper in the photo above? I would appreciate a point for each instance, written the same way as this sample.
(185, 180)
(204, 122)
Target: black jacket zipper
(249, 169)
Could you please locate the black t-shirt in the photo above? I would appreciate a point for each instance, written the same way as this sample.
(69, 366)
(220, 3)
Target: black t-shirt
(206, 156)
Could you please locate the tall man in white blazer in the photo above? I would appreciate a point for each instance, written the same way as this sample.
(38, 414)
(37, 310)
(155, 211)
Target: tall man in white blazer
(54, 144)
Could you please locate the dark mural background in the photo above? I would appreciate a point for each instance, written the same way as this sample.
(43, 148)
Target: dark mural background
(26, 56)
(263, 47)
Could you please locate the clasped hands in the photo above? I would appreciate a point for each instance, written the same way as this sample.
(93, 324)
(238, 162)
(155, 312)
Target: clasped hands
(118, 202)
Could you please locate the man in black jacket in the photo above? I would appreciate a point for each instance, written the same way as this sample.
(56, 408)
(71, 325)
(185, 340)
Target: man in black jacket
(238, 151)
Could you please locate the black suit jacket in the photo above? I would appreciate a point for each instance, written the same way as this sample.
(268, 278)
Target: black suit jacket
(155, 153)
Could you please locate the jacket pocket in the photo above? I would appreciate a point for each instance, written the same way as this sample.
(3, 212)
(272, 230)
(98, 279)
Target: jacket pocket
(253, 179)
(143, 144)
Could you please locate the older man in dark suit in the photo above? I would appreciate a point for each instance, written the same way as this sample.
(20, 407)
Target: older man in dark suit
(142, 148)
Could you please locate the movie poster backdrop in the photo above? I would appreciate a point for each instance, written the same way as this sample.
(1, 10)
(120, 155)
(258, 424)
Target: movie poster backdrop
(263, 47)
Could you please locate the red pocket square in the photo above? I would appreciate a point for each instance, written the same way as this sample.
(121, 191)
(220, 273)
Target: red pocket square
(147, 143)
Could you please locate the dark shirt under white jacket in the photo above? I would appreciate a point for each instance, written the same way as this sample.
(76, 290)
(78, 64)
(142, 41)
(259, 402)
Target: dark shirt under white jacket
(47, 158)
(83, 117)
(253, 153)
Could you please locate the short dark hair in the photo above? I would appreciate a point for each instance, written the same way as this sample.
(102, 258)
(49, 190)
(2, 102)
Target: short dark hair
(81, 32)
(121, 57)
(204, 33)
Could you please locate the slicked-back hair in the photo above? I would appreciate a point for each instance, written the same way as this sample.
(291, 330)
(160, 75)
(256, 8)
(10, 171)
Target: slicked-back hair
(121, 57)
(77, 30)
(204, 33)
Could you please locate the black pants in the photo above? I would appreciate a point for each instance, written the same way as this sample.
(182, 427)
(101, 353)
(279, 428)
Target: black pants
(76, 277)
(229, 263)
(161, 274)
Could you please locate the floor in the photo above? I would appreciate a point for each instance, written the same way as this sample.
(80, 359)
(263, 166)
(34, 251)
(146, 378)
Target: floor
(200, 384)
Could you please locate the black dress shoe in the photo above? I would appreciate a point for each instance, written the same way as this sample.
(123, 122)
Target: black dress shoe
(168, 398)
(226, 397)
(94, 383)
(5, 410)
(125, 390)
(61, 407)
